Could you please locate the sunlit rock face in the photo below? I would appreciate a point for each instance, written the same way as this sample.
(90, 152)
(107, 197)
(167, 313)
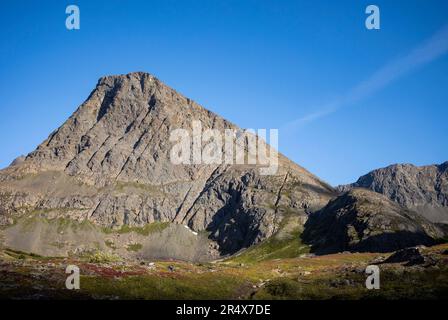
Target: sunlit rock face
(109, 164)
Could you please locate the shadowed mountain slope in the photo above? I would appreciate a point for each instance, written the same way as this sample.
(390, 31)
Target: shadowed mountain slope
(362, 220)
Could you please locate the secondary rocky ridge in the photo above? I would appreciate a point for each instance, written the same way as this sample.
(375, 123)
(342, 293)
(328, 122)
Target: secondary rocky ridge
(423, 189)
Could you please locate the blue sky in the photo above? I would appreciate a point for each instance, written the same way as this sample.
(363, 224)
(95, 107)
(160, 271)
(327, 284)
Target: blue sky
(294, 65)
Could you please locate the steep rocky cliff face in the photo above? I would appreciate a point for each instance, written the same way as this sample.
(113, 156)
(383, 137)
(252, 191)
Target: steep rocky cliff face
(109, 164)
(362, 220)
(423, 189)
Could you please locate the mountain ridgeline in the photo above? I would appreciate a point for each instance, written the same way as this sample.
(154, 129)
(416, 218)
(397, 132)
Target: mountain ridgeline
(104, 181)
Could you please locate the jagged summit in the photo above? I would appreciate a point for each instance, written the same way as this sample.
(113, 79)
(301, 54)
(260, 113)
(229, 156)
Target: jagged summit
(142, 78)
(138, 75)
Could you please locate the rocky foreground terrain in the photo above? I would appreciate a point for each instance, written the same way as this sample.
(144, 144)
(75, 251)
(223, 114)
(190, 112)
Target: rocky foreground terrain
(416, 273)
(102, 193)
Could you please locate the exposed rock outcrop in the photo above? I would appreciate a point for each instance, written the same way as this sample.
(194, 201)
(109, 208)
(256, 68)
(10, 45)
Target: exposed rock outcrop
(411, 256)
(362, 220)
(423, 189)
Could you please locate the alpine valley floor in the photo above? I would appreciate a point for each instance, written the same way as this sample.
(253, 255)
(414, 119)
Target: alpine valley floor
(250, 275)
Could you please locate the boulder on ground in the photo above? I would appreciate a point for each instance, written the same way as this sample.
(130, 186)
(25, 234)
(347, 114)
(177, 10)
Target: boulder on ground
(411, 256)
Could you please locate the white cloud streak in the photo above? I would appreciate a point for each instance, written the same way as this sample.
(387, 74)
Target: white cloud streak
(429, 50)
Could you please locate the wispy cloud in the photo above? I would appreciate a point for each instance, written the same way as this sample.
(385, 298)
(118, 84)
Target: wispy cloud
(429, 50)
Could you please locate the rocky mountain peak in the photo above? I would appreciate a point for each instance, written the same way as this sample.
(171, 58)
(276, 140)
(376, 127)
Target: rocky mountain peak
(134, 83)
(122, 130)
(109, 164)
